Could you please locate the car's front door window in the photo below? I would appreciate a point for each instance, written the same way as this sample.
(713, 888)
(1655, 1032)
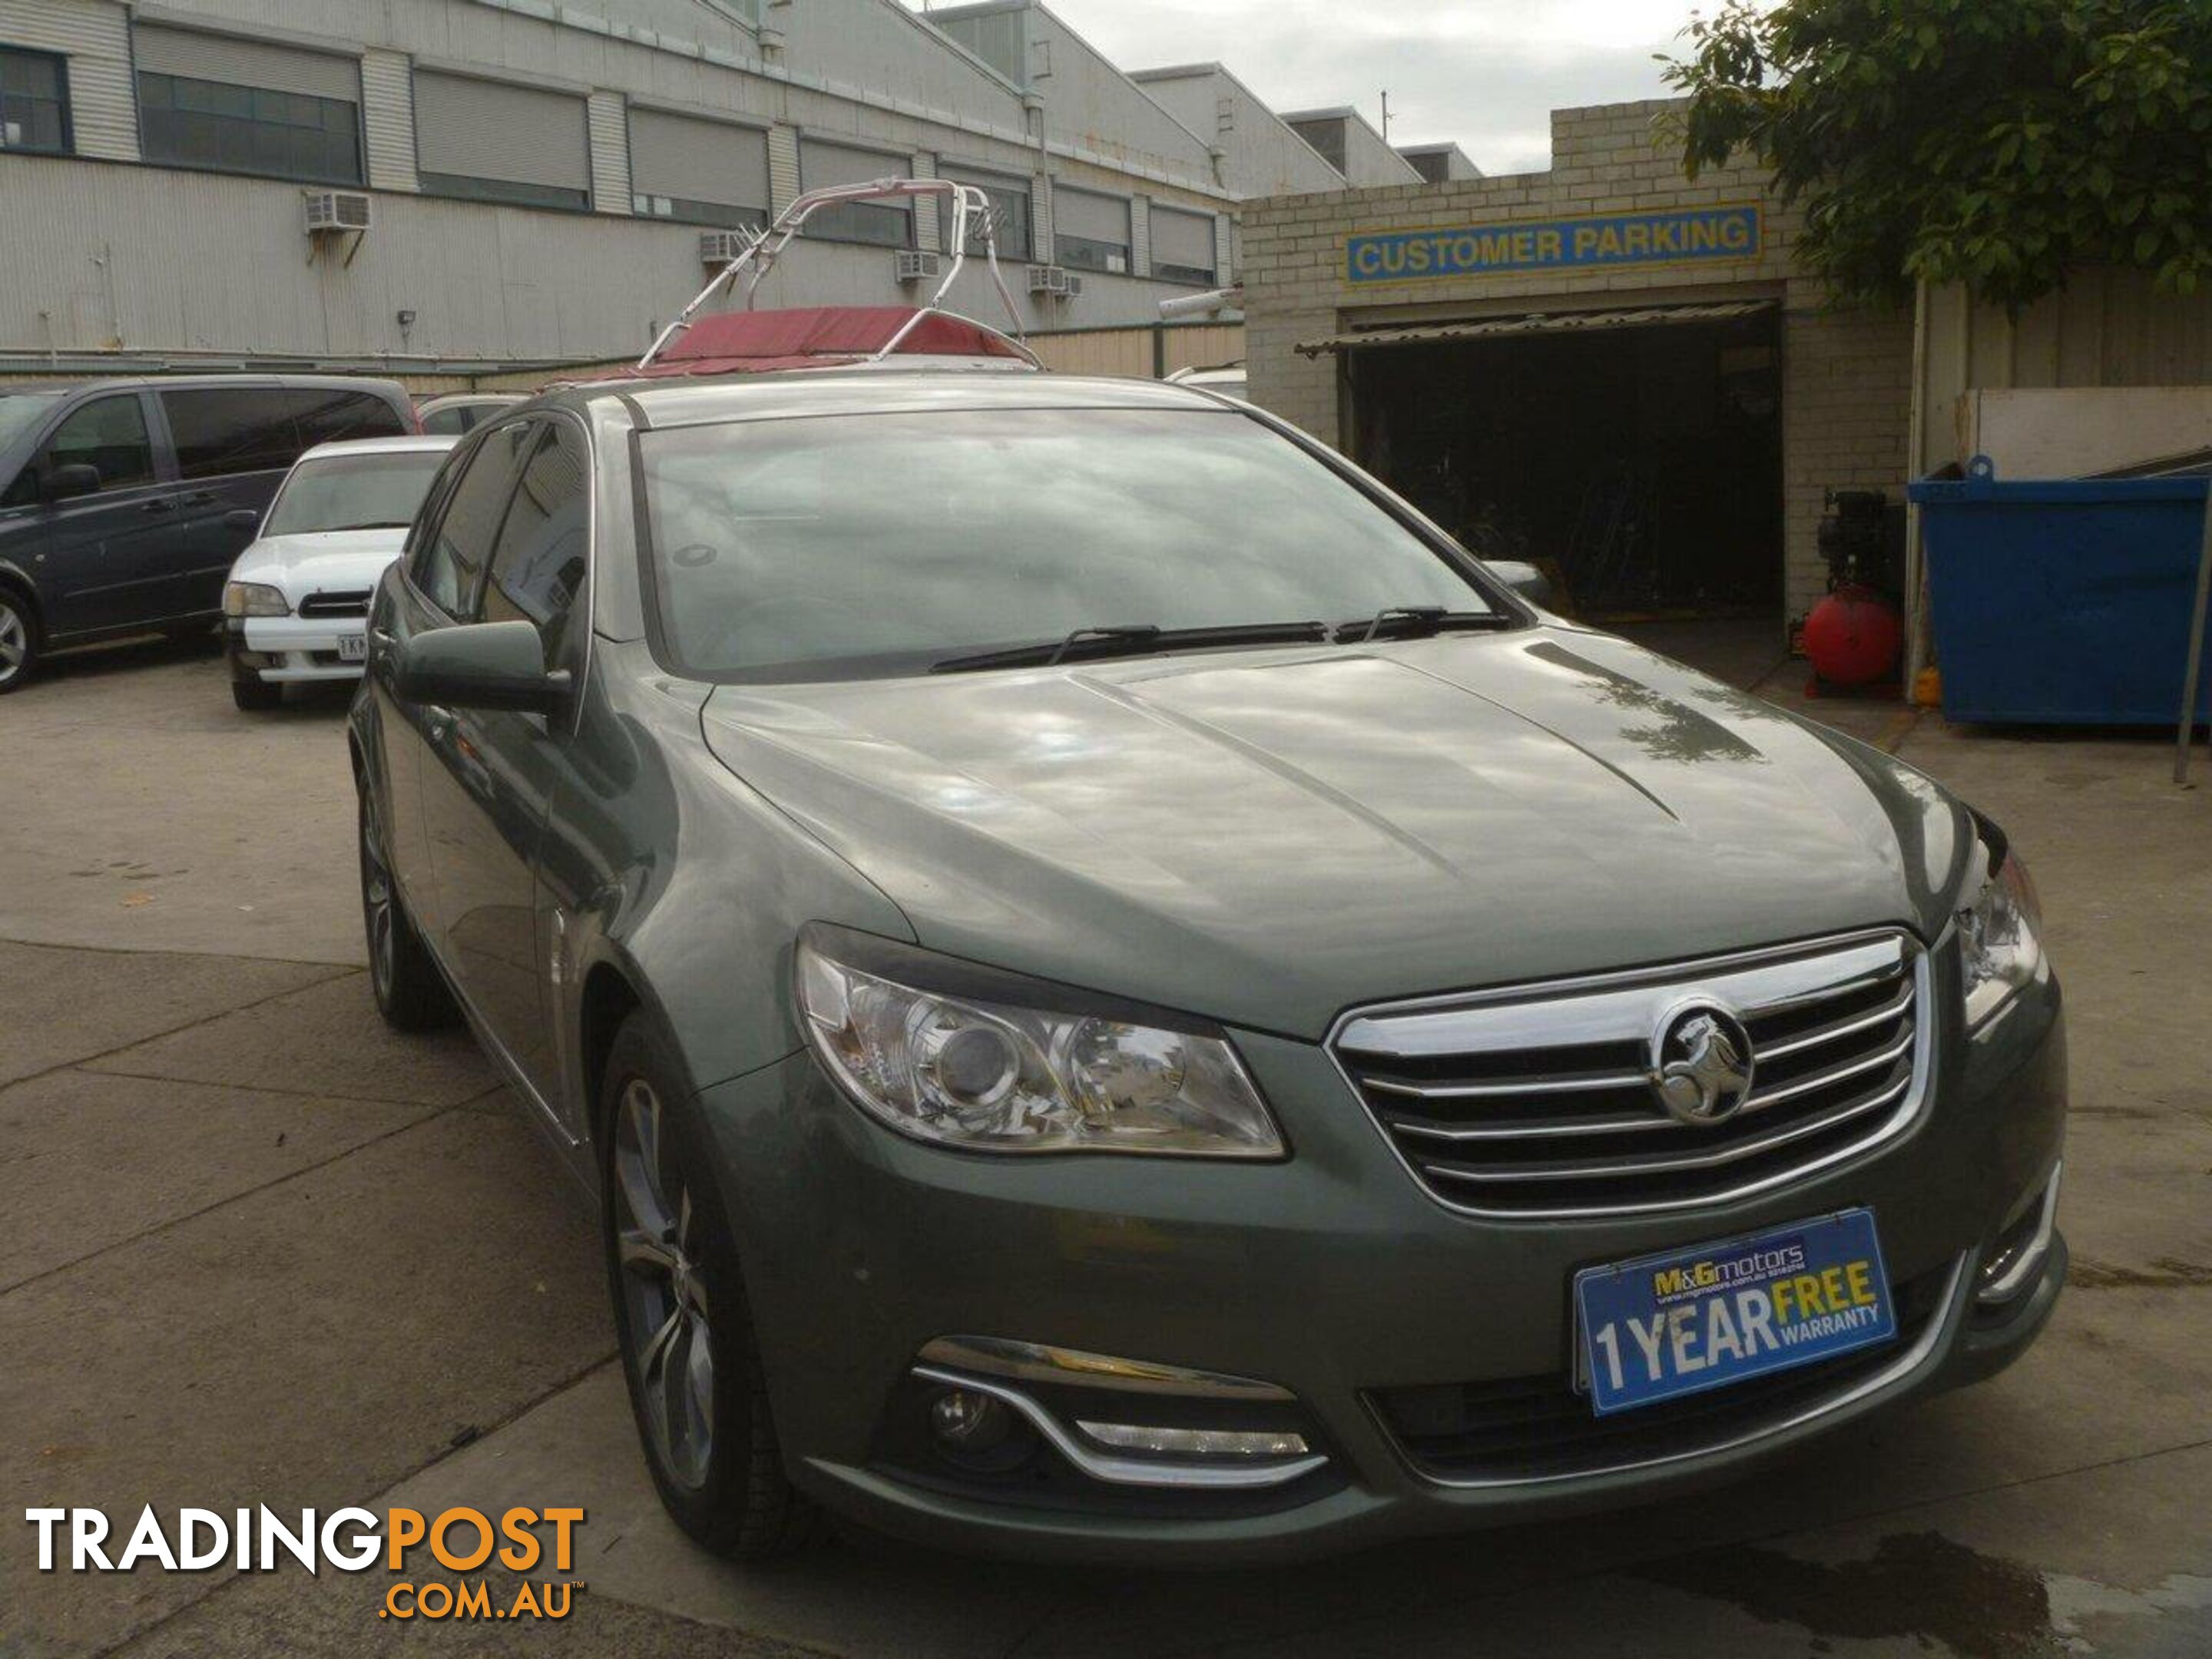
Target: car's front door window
(107, 435)
(538, 565)
(450, 564)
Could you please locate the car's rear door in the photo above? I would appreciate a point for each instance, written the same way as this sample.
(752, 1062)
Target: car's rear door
(233, 444)
(488, 775)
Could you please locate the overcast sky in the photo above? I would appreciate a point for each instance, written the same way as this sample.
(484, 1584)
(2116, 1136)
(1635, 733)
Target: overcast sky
(1487, 73)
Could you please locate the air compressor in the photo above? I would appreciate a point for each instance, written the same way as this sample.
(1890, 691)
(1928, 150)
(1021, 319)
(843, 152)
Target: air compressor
(1854, 635)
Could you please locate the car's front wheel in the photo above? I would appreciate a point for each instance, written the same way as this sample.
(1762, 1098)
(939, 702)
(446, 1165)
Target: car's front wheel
(19, 640)
(253, 694)
(411, 993)
(696, 1383)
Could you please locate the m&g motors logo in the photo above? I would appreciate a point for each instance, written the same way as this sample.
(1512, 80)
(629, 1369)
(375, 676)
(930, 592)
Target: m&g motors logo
(461, 1540)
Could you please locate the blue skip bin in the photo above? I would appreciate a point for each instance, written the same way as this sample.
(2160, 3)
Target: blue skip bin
(2063, 601)
(1687, 1320)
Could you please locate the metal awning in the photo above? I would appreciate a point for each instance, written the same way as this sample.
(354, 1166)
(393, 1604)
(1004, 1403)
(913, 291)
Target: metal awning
(1556, 322)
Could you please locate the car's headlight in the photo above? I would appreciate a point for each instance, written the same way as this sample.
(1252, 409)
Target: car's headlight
(254, 600)
(947, 1052)
(2000, 928)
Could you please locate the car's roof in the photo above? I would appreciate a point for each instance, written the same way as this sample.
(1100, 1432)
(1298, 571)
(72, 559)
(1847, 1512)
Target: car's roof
(867, 390)
(172, 382)
(413, 443)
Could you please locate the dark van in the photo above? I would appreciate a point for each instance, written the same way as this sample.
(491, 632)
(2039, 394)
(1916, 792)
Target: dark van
(123, 502)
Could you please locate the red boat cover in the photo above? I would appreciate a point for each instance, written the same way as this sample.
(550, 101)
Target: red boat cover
(813, 337)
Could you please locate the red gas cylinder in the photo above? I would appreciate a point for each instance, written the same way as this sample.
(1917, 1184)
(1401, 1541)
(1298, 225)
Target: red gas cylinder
(1853, 636)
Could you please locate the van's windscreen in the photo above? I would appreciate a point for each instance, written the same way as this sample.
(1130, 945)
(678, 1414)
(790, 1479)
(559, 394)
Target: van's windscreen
(871, 544)
(19, 410)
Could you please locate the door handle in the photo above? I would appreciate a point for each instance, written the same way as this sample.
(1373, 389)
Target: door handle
(199, 498)
(159, 504)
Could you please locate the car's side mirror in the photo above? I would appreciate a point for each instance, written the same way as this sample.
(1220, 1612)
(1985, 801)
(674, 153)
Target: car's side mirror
(67, 483)
(1524, 579)
(498, 664)
(242, 517)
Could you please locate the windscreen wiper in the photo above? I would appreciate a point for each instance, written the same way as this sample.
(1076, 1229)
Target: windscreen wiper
(1135, 640)
(1414, 622)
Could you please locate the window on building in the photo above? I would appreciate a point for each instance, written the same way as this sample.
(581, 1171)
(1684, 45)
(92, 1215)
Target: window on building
(209, 101)
(1009, 213)
(703, 173)
(1090, 232)
(1182, 246)
(34, 108)
(885, 224)
(492, 141)
(537, 565)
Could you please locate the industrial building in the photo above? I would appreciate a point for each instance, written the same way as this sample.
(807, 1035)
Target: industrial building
(441, 188)
(1626, 375)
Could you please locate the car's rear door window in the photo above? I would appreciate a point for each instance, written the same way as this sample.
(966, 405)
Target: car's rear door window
(222, 431)
(538, 562)
(327, 415)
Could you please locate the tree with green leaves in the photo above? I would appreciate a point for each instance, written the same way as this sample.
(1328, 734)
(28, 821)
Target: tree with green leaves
(1993, 143)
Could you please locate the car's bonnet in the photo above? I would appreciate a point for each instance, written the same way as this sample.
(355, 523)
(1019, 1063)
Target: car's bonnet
(1271, 838)
(320, 561)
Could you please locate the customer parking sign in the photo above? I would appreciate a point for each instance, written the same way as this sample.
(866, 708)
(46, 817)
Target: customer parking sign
(1678, 236)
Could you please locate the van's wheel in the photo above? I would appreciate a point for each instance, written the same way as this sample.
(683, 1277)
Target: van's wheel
(253, 694)
(696, 1388)
(411, 993)
(19, 640)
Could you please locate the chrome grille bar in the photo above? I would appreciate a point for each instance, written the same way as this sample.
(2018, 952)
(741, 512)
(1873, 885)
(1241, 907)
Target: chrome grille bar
(1478, 1094)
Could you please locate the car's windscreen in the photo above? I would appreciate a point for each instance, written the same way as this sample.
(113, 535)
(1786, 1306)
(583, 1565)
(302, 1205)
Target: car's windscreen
(354, 492)
(882, 544)
(21, 409)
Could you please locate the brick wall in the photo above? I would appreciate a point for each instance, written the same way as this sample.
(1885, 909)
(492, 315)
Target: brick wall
(1846, 375)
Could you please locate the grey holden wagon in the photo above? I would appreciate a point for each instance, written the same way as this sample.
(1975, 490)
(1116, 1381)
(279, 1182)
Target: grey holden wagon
(1122, 997)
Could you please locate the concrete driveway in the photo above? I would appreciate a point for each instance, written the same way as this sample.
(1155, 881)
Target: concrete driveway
(255, 1249)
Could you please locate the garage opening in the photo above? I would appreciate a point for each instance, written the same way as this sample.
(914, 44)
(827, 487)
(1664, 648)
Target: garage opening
(1636, 455)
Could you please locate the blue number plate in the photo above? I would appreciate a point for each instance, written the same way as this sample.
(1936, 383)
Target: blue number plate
(1687, 1321)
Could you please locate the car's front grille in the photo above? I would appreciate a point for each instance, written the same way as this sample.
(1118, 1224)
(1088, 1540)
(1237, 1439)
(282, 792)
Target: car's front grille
(349, 603)
(1537, 1100)
(1527, 1429)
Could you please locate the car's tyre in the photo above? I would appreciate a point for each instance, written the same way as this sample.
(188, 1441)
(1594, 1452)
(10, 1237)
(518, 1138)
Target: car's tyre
(411, 993)
(253, 694)
(19, 640)
(696, 1386)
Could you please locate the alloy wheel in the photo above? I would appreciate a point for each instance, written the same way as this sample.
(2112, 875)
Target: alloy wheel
(15, 641)
(663, 1295)
(376, 902)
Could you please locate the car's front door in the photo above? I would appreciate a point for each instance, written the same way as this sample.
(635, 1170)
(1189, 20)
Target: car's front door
(434, 587)
(98, 558)
(488, 775)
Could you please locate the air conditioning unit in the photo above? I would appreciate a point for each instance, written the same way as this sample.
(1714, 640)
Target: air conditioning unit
(338, 209)
(913, 265)
(1050, 279)
(1074, 285)
(718, 247)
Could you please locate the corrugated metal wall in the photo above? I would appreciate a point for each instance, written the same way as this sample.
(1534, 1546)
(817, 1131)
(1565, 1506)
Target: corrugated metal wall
(387, 115)
(2110, 328)
(1128, 352)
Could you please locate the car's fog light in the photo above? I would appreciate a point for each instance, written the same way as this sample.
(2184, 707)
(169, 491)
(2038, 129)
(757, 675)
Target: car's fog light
(979, 1431)
(2017, 1259)
(1157, 1441)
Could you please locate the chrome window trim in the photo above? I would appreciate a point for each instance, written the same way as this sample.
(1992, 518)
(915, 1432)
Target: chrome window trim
(1920, 1355)
(1609, 991)
(1115, 1471)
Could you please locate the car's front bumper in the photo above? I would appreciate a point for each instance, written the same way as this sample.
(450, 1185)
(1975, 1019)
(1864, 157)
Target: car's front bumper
(1330, 1274)
(285, 649)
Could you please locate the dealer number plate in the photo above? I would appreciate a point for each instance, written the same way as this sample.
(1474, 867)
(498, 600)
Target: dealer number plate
(353, 648)
(1681, 1323)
